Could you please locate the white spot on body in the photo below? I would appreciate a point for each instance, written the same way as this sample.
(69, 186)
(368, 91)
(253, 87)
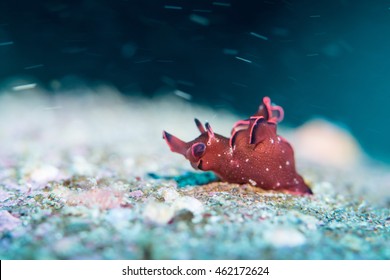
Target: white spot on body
(219, 155)
(278, 184)
(279, 139)
(280, 166)
(287, 163)
(267, 169)
(247, 160)
(271, 140)
(252, 182)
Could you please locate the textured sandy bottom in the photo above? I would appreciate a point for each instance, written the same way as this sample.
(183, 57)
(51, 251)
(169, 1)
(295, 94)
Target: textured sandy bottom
(89, 177)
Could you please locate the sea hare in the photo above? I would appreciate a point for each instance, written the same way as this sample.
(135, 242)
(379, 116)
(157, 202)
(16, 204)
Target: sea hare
(254, 154)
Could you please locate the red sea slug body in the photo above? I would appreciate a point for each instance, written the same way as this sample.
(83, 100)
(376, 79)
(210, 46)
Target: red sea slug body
(254, 154)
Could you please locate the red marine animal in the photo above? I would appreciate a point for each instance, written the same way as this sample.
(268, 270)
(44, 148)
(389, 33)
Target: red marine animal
(254, 154)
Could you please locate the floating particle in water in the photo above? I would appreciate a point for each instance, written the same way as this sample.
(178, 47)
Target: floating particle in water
(199, 19)
(243, 59)
(230, 51)
(185, 83)
(239, 84)
(222, 4)
(33, 66)
(201, 11)
(292, 78)
(169, 81)
(74, 50)
(129, 49)
(183, 94)
(171, 7)
(280, 31)
(164, 60)
(6, 43)
(143, 60)
(52, 108)
(24, 87)
(259, 36)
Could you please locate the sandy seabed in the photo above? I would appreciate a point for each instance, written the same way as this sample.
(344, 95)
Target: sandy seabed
(89, 177)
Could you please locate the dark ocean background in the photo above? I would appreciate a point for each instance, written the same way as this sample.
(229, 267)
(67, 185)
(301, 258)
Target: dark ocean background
(315, 58)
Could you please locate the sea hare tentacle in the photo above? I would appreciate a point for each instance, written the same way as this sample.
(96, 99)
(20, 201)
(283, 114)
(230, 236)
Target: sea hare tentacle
(199, 125)
(254, 154)
(175, 144)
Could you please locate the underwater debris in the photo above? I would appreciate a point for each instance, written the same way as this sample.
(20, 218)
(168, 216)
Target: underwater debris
(171, 7)
(259, 36)
(243, 59)
(188, 178)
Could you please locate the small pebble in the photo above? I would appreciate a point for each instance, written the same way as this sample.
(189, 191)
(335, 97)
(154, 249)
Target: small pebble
(136, 194)
(189, 203)
(284, 237)
(157, 212)
(44, 174)
(169, 194)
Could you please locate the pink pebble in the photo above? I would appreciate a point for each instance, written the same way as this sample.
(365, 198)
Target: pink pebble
(137, 193)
